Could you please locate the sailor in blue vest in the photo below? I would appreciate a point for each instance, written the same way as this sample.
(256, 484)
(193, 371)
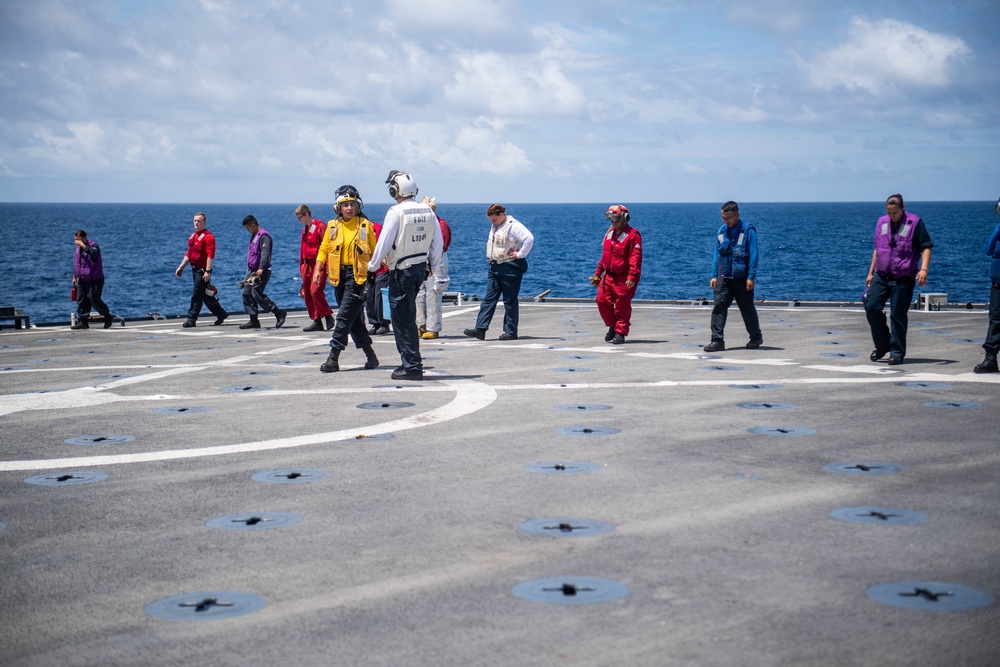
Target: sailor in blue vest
(992, 342)
(900, 261)
(734, 272)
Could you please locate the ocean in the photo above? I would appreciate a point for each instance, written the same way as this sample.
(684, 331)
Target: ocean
(808, 251)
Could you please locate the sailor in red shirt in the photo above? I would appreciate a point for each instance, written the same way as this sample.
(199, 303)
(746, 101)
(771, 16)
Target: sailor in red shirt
(617, 274)
(201, 255)
(314, 294)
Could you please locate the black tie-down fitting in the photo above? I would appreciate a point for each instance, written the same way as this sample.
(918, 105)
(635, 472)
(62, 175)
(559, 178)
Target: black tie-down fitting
(926, 594)
(252, 521)
(206, 604)
(568, 589)
(565, 527)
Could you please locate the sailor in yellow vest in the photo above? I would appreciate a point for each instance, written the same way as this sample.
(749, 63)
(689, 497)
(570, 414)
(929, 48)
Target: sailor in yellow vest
(346, 248)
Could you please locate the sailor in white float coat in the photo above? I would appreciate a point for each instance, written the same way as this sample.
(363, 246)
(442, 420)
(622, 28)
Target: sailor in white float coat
(410, 245)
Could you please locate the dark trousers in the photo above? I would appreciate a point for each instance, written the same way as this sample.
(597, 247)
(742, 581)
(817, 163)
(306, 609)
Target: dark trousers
(504, 280)
(350, 313)
(727, 289)
(898, 292)
(373, 304)
(88, 295)
(403, 287)
(199, 297)
(992, 344)
(254, 297)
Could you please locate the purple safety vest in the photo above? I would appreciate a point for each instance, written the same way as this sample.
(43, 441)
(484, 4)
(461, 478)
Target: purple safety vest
(253, 252)
(85, 268)
(894, 252)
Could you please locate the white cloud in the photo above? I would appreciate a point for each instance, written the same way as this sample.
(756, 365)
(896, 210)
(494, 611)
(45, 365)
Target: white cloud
(480, 16)
(884, 56)
(513, 86)
(483, 149)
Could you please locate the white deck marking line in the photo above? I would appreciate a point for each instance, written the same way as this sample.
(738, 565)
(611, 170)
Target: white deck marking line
(452, 313)
(860, 368)
(695, 356)
(469, 397)
(972, 378)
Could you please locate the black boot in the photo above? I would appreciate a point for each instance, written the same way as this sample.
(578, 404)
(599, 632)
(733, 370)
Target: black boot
(988, 365)
(317, 325)
(81, 323)
(254, 323)
(330, 322)
(371, 361)
(331, 365)
(279, 317)
(108, 321)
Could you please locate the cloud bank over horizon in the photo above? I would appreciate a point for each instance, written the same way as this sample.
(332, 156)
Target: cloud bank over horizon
(498, 100)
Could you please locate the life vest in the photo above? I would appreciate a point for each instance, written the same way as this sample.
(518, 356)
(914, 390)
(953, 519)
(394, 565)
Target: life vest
(621, 255)
(413, 236)
(734, 255)
(895, 253)
(86, 267)
(312, 238)
(333, 242)
(500, 243)
(201, 246)
(253, 251)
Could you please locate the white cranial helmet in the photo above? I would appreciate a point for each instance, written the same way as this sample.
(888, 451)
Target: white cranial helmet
(401, 184)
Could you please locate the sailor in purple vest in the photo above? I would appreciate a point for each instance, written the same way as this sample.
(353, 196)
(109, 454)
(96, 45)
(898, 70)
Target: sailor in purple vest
(992, 342)
(900, 262)
(258, 273)
(88, 278)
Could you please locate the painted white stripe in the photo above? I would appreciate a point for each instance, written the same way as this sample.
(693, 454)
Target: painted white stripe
(469, 397)
(694, 356)
(971, 378)
(452, 313)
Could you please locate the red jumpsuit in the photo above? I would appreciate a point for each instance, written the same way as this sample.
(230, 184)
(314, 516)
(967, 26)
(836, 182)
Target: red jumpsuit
(315, 295)
(621, 260)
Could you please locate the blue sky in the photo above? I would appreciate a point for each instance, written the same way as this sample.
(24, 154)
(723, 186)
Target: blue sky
(250, 101)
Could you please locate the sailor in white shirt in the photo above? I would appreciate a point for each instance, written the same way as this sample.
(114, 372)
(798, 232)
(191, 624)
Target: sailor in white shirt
(507, 250)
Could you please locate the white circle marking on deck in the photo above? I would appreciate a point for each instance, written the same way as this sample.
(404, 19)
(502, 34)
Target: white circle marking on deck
(469, 397)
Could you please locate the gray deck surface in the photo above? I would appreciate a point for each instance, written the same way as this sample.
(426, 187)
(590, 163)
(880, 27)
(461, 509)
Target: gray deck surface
(409, 551)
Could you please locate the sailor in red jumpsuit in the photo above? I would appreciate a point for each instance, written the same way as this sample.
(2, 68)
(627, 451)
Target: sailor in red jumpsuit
(617, 274)
(314, 295)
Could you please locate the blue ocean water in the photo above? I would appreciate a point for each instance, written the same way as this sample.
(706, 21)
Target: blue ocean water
(808, 251)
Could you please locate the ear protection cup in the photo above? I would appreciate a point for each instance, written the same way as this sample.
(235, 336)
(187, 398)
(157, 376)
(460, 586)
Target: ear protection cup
(401, 184)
